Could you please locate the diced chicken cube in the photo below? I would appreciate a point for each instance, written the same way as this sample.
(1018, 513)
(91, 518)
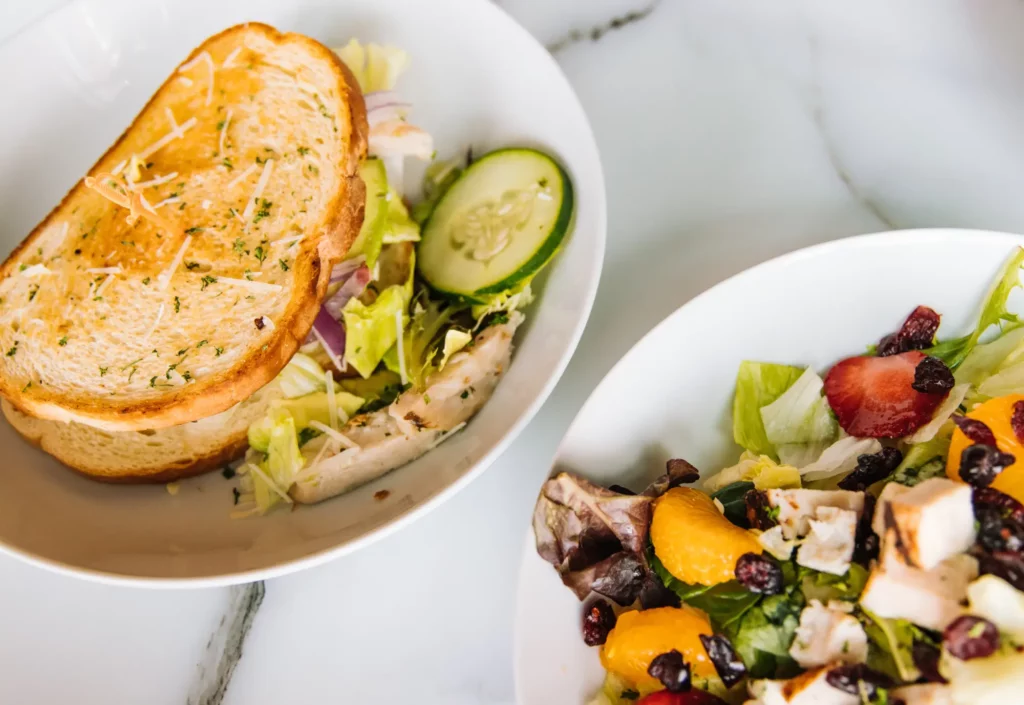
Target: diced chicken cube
(923, 694)
(776, 544)
(933, 521)
(808, 688)
(829, 546)
(890, 491)
(931, 599)
(798, 507)
(826, 635)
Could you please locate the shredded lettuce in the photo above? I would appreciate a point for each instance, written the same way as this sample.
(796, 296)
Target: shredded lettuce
(988, 358)
(376, 220)
(379, 389)
(518, 297)
(426, 336)
(400, 227)
(840, 457)
(301, 376)
(370, 330)
(282, 463)
(800, 455)
(993, 313)
(376, 67)
(1008, 380)
(758, 384)
(800, 415)
(312, 407)
(760, 470)
(942, 415)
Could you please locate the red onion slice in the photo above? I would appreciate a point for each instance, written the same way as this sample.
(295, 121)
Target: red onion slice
(331, 334)
(390, 111)
(375, 99)
(343, 270)
(352, 287)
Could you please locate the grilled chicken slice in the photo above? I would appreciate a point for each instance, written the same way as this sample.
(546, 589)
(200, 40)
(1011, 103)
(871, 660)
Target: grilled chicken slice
(416, 421)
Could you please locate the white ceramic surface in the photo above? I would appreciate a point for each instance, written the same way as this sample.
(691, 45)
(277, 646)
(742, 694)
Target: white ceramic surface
(731, 131)
(94, 65)
(671, 395)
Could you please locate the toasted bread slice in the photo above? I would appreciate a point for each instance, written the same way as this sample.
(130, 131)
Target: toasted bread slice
(147, 456)
(184, 273)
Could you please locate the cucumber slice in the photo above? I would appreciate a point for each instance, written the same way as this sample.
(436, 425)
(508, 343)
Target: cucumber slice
(375, 214)
(498, 224)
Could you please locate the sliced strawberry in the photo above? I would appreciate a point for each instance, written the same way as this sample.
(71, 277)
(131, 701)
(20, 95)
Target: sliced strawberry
(873, 397)
(690, 697)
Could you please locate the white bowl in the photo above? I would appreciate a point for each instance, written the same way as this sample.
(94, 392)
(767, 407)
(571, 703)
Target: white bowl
(671, 395)
(74, 80)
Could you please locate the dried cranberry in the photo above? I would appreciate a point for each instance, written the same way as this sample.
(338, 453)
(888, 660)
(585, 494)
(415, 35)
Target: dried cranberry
(857, 679)
(871, 468)
(758, 510)
(976, 431)
(727, 664)
(970, 637)
(916, 333)
(1017, 420)
(689, 697)
(672, 671)
(680, 472)
(889, 345)
(598, 620)
(926, 658)
(1008, 566)
(980, 463)
(759, 574)
(996, 533)
(931, 376)
(989, 497)
(865, 546)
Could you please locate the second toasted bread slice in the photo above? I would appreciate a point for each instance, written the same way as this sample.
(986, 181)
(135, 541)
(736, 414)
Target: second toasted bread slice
(184, 272)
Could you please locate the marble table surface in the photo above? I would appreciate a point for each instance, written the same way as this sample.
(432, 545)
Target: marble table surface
(730, 131)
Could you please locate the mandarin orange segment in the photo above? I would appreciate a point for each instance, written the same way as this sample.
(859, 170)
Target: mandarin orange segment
(694, 541)
(640, 636)
(996, 414)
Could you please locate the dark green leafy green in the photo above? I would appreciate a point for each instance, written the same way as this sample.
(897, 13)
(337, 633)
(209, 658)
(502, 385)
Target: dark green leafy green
(732, 497)
(893, 640)
(725, 603)
(825, 586)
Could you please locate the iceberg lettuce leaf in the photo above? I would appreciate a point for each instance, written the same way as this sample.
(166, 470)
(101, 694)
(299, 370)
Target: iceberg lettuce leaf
(758, 384)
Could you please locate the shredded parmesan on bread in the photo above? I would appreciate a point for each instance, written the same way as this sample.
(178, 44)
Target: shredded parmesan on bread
(268, 166)
(203, 56)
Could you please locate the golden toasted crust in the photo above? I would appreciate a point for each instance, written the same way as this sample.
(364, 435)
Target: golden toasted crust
(257, 364)
(214, 461)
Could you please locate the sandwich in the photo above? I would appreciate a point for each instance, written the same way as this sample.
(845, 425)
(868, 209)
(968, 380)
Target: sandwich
(239, 281)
